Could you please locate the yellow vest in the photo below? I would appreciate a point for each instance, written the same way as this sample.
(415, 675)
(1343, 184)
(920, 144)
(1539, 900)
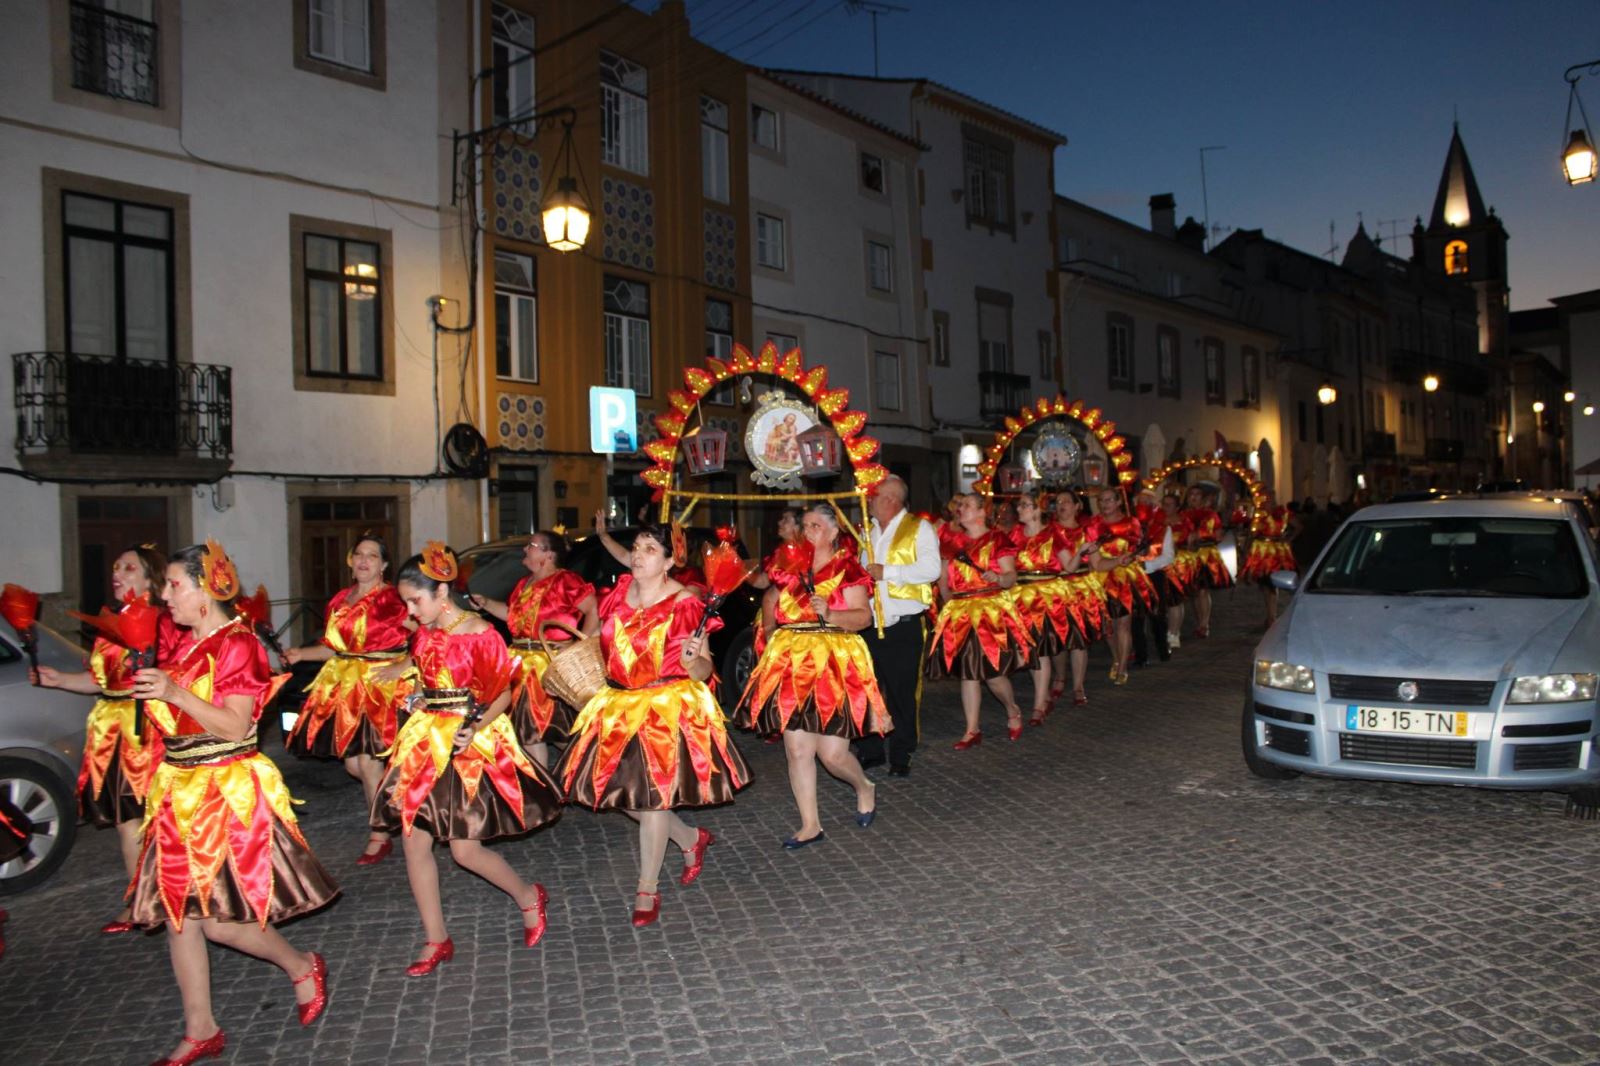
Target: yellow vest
(902, 552)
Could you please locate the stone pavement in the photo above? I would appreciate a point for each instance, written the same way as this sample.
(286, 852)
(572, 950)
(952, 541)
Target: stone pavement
(1113, 888)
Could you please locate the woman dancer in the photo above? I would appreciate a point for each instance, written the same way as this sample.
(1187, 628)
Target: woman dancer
(1087, 595)
(1044, 597)
(979, 637)
(653, 740)
(549, 594)
(222, 856)
(1207, 570)
(349, 712)
(118, 760)
(1274, 527)
(456, 772)
(814, 683)
(1128, 589)
(1180, 573)
(788, 533)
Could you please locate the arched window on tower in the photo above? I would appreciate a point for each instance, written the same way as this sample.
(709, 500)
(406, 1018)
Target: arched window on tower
(1455, 257)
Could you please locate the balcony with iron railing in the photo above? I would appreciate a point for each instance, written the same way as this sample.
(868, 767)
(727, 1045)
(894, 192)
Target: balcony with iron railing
(114, 54)
(1003, 393)
(99, 414)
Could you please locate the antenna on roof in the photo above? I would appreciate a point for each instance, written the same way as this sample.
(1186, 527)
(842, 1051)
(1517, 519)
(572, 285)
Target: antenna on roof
(874, 8)
(1333, 245)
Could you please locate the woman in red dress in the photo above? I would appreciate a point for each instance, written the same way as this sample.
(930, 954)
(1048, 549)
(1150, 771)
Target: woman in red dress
(118, 760)
(1271, 531)
(1042, 595)
(222, 856)
(1206, 571)
(1087, 596)
(979, 637)
(1128, 588)
(548, 595)
(456, 772)
(814, 685)
(654, 741)
(349, 713)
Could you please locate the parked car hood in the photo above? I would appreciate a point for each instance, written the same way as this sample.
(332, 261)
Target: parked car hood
(1398, 636)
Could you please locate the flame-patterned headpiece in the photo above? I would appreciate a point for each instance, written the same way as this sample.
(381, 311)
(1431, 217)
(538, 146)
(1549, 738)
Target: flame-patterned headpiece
(218, 577)
(439, 562)
(680, 545)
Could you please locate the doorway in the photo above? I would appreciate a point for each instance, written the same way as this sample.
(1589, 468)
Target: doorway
(329, 529)
(108, 526)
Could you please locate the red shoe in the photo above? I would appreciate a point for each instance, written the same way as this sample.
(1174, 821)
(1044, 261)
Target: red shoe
(969, 740)
(1079, 698)
(643, 917)
(209, 1048)
(695, 857)
(532, 933)
(118, 926)
(311, 1009)
(1014, 726)
(1039, 715)
(1202, 633)
(373, 858)
(442, 952)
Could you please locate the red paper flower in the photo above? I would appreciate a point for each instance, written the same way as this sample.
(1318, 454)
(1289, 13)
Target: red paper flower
(134, 627)
(19, 607)
(794, 556)
(725, 571)
(255, 608)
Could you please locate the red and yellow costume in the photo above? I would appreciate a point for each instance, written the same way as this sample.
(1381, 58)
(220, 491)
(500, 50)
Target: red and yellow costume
(1269, 550)
(348, 711)
(492, 789)
(1171, 586)
(1043, 596)
(1204, 531)
(654, 737)
(979, 633)
(814, 677)
(1128, 588)
(219, 837)
(117, 765)
(538, 717)
(1088, 590)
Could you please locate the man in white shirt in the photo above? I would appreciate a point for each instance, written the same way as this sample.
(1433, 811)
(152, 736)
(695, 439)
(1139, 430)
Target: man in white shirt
(905, 554)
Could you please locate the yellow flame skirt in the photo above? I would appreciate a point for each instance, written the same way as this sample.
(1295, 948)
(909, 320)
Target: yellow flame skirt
(537, 716)
(814, 679)
(979, 637)
(114, 776)
(347, 711)
(1265, 558)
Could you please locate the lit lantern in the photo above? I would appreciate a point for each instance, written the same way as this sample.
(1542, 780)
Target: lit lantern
(706, 450)
(820, 452)
(1094, 471)
(1011, 478)
(1578, 161)
(1327, 394)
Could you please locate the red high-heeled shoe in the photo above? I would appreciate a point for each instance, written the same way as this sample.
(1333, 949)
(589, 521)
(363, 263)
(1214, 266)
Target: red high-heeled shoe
(1079, 698)
(443, 951)
(695, 857)
(969, 740)
(1039, 715)
(642, 916)
(115, 927)
(1014, 726)
(311, 1009)
(373, 858)
(209, 1048)
(532, 933)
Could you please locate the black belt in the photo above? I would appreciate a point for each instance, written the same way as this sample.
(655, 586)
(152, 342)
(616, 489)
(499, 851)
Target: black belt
(205, 750)
(388, 655)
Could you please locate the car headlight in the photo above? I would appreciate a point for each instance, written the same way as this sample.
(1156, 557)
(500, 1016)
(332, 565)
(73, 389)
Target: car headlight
(1549, 688)
(1286, 676)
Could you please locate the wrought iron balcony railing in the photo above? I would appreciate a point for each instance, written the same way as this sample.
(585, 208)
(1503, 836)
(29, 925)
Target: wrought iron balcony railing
(97, 404)
(114, 54)
(1002, 393)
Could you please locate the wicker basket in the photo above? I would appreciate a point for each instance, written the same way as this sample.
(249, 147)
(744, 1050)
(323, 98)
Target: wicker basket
(577, 670)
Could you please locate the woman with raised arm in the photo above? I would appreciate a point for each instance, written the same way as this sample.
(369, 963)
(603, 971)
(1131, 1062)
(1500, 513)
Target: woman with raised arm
(654, 741)
(548, 598)
(349, 713)
(222, 856)
(456, 773)
(814, 684)
(118, 758)
(1086, 595)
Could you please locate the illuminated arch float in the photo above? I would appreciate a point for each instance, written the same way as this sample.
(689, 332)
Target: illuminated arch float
(1045, 409)
(1211, 462)
(699, 381)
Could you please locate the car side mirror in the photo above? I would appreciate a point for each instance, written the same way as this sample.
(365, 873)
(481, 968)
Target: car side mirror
(1287, 580)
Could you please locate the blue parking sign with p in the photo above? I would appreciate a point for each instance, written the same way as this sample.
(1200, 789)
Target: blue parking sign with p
(612, 420)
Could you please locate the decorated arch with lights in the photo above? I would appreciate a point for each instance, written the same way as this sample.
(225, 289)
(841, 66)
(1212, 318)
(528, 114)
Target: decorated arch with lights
(1040, 413)
(1246, 476)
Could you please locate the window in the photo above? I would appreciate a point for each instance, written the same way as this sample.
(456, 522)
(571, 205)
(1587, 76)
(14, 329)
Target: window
(987, 162)
(1216, 372)
(1169, 380)
(627, 310)
(513, 65)
(886, 379)
(880, 267)
(719, 344)
(516, 317)
(1250, 377)
(1047, 357)
(344, 303)
(338, 33)
(871, 172)
(1119, 352)
(118, 271)
(764, 128)
(770, 251)
(941, 338)
(114, 50)
(784, 342)
(624, 114)
(714, 149)
(1455, 257)
(994, 333)
(1174, 284)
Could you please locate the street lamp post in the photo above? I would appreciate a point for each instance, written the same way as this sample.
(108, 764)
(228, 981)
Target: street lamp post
(1578, 160)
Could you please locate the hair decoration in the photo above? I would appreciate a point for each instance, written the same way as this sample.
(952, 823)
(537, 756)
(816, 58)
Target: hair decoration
(680, 545)
(218, 577)
(439, 562)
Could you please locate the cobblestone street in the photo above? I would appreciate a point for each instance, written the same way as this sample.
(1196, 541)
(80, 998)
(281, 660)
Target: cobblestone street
(1113, 888)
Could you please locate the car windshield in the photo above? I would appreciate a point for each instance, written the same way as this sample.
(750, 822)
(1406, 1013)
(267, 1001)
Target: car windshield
(1454, 556)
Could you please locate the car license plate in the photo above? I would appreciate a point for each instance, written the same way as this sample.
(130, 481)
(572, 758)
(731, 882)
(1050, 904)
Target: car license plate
(1407, 720)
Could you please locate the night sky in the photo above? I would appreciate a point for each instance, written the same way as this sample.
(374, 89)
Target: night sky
(1325, 109)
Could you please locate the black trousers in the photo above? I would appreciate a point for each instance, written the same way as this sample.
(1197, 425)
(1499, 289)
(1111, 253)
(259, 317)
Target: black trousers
(1157, 620)
(897, 662)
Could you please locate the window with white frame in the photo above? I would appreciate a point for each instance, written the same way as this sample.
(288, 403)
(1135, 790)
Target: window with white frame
(1169, 381)
(1047, 356)
(516, 317)
(871, 172)
(719, 344)
(886, 379)
(1119, 351)
(770, 245)
(880, 267)
(714, 149)
(118, 266)
(1250, 376)
(338, 31)
(994, 336)
(624, 114)
(1216, 372)
(784, 342)
(627, 312)
(344, 307)
(987, 162)
(513, 64)
(764, 128)
(941, 338)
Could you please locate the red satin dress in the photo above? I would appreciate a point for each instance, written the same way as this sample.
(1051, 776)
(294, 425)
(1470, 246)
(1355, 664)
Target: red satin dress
(348, 711)
(489, 791)
(537, 716)
(979, 633)
(220, 838)
(1087, 602)
(1042, 593)
(115, 773)
(1129, 590)
(814, 677)
(1170, 587)
(1205, 530)
(654, 737)
(1269, 550)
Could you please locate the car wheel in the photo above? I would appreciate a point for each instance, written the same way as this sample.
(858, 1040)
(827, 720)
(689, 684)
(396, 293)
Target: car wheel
(1268, 771)
(47, 802)
(737, 662)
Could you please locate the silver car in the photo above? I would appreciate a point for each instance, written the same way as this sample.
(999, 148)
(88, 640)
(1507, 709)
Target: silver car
(41, 739)
(1453, 641)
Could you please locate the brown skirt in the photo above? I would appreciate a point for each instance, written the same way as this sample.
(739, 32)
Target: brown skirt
(365, 741)
(630, 787)
(970, 663)
(527, 730)
(447, 813)
(116, 803)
